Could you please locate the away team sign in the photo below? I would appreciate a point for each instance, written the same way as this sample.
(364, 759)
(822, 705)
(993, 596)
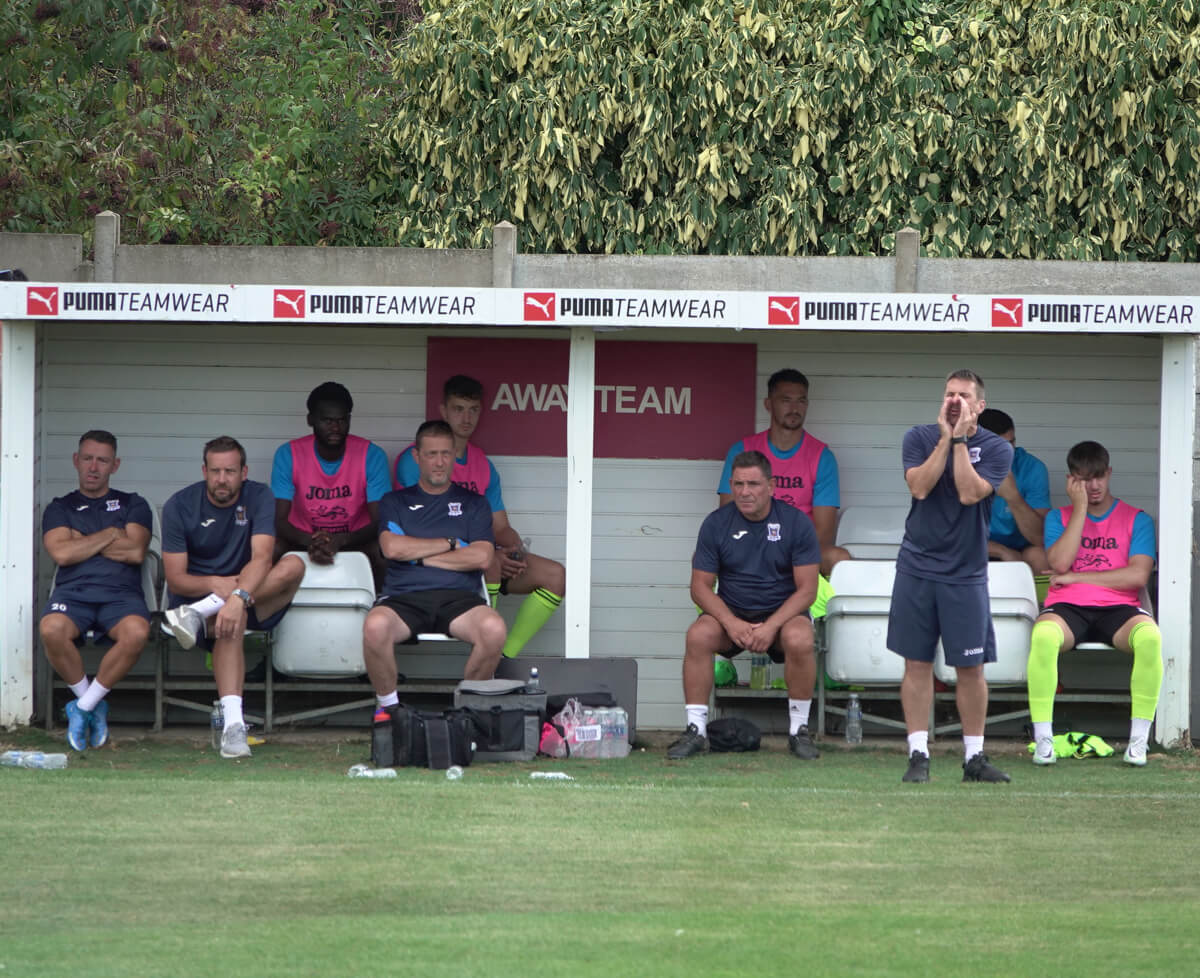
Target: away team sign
(598, 307)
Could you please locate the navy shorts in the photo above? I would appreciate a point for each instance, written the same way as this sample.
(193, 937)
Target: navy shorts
(960, 615)
(775, 651)
(1095, 623)
(100, 616)
(430, 611)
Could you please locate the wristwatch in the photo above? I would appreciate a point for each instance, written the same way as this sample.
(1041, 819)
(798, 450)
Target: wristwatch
(453, 543)
(246, 596)
(958, 440)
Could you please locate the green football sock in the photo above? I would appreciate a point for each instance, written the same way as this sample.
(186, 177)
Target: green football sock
(1042, 679)
(1145, 681)
(534, 612)
(493, 593)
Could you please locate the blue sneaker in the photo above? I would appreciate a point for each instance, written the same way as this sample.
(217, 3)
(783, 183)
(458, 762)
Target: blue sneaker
(98, 725)
(77, 726)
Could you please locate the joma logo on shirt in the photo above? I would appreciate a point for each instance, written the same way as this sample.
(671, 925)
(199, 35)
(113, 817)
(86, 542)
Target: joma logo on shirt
(337, 492)
(789, 482)
(1098, 543)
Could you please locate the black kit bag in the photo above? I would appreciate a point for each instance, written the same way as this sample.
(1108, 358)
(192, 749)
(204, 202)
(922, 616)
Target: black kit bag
(733, 734)
(402, 737)
(508, 715)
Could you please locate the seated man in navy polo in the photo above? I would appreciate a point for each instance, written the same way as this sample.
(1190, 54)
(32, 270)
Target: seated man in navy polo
(767, 555)
(98, 537)
(218, 542)
(1022, 501)
(437, 539)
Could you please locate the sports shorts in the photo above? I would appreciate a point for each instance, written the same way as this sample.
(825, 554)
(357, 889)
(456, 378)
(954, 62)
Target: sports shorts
(1094, 623)
(923, 611)
(775, 651)
(430, 611)
(100, 616)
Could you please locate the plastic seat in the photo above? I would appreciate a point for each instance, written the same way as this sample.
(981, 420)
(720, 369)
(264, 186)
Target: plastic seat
(1012, 596)
(856, 620)
(872, 532)
(321, 634)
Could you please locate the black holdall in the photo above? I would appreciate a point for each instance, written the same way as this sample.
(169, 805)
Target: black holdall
(508, 716)
(402, 737)
(733, 734)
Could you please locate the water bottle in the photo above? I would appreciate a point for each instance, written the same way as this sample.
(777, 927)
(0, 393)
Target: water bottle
(363, 771)
(523, 552)
(216, 722)
(382, 752)
(535, 683)
(33, 759)
(608, 730)
(454, 773)
(760, 671)
(854, 720)
(621, 734)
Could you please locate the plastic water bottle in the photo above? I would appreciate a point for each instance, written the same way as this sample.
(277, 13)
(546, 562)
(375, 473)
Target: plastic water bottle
(760, 671)
(33, 759)
(454, 773)
(535, 683)
(620, 732)
(382, 749)
(854, 720)
(216, 722)
(364, 771)
(550, 776)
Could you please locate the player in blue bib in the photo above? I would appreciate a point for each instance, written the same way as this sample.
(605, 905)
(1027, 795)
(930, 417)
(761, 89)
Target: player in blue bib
(952, 469)
(437, 539)
(98, 537)
(218, 545)
(1022, 501)
(767, 556)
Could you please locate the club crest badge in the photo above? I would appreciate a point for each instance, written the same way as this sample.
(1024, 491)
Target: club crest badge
(455, 509)
(773, 532)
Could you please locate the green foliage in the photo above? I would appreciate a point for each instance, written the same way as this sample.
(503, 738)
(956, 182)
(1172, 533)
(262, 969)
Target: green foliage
(1049, 129)
(198, 120)
(999, 128)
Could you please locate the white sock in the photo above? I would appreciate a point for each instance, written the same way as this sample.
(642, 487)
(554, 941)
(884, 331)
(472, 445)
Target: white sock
(697, 713)
(388, 699)
(919, 741)
(1139, 730)
(208, 606)
(79, 688)
(232, 705)
(95, 693)
(971, 747)
(1042, 728)
(798, 714)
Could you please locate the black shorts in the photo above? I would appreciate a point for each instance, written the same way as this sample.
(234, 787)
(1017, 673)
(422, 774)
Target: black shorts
(754, 617)
(430, 611)
(1095, 623)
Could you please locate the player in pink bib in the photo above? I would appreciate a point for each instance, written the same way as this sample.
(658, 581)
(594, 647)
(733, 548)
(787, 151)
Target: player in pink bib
(327, 485)
(804, 470)
(1101, 554)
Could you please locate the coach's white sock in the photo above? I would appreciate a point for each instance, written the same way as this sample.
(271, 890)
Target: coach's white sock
(919, 741)
(232, 705)
(95, 693)
(79, 688)
(971, 746)
(697, 714)
(388, 699)
(798, 714)
(208, 606)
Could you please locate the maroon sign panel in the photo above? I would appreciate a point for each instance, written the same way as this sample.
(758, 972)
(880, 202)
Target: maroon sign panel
(653, 400)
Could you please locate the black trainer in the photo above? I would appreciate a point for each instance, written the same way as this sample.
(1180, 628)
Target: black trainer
(918, 768)
(800, 743)
(979, 768)
(692, 742)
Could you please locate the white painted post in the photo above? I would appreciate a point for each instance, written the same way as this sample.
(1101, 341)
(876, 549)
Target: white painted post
(581, 401)
(17, 611)
(1176, 489)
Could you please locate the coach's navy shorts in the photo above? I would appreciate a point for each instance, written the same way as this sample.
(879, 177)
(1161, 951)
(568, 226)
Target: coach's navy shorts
(98, 615)
(923, 611)
(430, 611)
